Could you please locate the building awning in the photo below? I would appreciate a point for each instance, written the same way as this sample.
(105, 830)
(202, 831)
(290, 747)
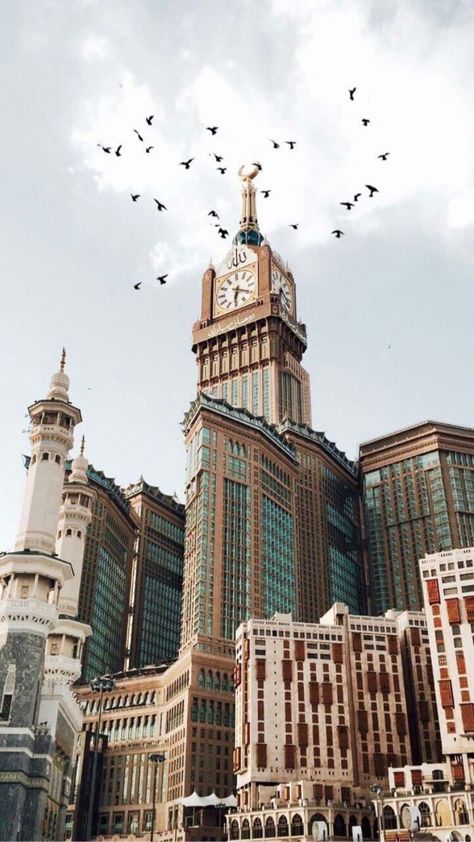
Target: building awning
(213, 800)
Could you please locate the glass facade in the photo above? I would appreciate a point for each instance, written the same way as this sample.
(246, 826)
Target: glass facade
(109, 601)
(422, 504)
(236, 552)
(278, 540)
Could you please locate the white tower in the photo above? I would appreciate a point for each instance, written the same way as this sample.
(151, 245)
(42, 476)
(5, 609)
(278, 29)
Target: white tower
(75, 516)
(51, 435)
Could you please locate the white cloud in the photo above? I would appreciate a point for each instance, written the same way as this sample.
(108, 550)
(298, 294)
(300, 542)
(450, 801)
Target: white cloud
(461, 210)
(95, 48)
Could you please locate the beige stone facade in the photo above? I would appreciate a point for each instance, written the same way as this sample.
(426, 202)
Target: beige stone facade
(322, 712)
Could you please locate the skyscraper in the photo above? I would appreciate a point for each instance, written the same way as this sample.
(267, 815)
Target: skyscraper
(106, 576)
(157, 581)
(418, 487)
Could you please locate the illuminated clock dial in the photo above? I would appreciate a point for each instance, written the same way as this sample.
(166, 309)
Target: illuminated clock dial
(236, 290)
(281, 286)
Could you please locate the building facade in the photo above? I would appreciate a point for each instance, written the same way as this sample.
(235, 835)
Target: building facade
(329, 539)
(321, 714)
(441, 795)
(157, 580)
(104, 597)
(418, 489)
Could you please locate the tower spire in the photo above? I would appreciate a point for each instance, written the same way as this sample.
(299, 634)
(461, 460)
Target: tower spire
(249, 231)
(63, 360)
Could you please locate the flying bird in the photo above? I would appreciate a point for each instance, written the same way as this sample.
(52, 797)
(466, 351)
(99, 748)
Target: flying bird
(372, 190)
(384, 156)
(186, 164)
(149, 148)
(266, 193)
(223, 233)
(257, 164)
(347, 205)
(159, 205)
(213, 213)
(291, 143)
(357, 196)
(135, 196)
(118, 152)
(149, 119)
(222, 170)
(352, 92)
(293, 225)
(275, 144)
(107, 149)
(365, 121)
(212, 129)
(162, 278)
(338, 233)
(138, 135)
(137, 286)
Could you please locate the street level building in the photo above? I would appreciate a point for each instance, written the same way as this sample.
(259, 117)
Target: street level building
(321, 714)
(442, 793)
(418, 489)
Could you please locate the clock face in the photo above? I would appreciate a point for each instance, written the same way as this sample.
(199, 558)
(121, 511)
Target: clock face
(236, 290)
(281, 285)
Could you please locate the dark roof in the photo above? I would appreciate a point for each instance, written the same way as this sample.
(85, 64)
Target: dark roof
(142, 487)
(327, 445)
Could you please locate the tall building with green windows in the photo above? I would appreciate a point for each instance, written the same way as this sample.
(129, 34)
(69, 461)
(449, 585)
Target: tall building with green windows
(329, 539)
(106, 576)
(157, 577)
(418, 490)
(240, 558)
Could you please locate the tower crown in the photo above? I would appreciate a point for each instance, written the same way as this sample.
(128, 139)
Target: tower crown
(59, 385)
(249, 231)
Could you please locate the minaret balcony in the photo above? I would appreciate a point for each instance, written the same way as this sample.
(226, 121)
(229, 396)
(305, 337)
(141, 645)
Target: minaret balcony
(34, 616)
(59, 669)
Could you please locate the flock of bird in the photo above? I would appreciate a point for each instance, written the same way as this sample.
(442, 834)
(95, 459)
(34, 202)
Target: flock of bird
(370, 187)
(223, 232)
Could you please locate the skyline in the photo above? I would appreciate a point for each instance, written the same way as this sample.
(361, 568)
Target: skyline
(406, 253)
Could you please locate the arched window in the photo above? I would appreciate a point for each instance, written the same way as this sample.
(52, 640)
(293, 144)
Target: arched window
(209, 681)
(389, 818)
(425, 814)
(297, 828)
(460, 812)
(202, 679)
(282, 826)
(234, 829)
(217, 681)
(57, 459)
(45, 457)
(269, 828)
(225, 682)
(339, 825)
(257, 829)
(245, 829)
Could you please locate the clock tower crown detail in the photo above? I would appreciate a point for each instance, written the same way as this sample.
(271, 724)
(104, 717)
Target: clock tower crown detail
(248, 342)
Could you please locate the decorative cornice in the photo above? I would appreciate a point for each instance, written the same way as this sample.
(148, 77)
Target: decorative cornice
(28, 616)
(320, 438)
(20, 778)
(61, 670)
(142, 487)
(243, 416)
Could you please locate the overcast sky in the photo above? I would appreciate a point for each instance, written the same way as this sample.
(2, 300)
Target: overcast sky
(388, 307)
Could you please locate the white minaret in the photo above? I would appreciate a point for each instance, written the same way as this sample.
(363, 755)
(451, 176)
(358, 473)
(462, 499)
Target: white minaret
(75, 516)
(51, 435)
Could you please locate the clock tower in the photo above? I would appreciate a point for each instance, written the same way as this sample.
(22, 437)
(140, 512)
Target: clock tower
(248, 341)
